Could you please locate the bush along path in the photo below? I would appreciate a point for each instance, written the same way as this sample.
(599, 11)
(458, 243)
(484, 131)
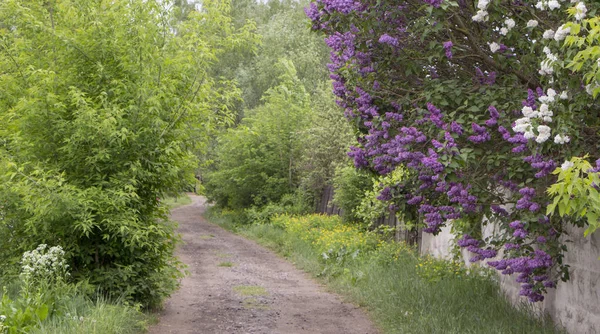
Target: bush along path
(237, 286)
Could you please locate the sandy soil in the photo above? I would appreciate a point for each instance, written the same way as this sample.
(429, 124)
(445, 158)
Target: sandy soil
(237, 286)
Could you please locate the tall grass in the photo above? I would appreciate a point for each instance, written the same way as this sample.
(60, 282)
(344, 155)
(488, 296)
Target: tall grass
(80, 315)
(400, 299)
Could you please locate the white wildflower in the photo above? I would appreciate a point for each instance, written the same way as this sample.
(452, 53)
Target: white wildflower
(532, 24)
(503, 31)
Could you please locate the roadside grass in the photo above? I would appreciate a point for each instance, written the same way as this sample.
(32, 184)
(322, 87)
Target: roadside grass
(177, 201)
(226, 264)
(82, 315)
(74, 313)
(399, 298)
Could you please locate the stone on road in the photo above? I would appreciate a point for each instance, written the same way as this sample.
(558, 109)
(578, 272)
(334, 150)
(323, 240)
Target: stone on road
(237, 286)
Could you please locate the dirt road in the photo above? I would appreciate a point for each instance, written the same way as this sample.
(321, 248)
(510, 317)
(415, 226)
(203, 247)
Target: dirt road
(237, 286)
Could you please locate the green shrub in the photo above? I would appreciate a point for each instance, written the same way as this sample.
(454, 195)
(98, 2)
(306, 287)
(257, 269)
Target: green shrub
(350, 186)
(101, 119)
(289, 204)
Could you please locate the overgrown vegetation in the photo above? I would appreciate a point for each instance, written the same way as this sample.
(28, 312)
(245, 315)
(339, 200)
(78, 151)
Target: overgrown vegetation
(99, 120)
(104, 109)
(290, 135)
(42, 300)
(402, 292)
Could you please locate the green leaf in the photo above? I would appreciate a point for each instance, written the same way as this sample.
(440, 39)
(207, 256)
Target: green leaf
(42, 312)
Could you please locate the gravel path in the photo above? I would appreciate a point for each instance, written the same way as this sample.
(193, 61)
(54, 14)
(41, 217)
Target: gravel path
(237, 286)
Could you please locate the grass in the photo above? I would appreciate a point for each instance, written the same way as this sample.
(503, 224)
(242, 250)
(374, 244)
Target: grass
(95, 317)
(206, 236)
(75, 313)
(175, 202)
(226, 264)
(397, 298)
(250, 290)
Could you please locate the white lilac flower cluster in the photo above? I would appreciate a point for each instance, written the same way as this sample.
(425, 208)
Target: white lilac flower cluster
(525, 126)
(508, 25)
(546, 64)
(580, 11)
(566, 165)
(561, 33)
(545, 4)
(42, 264)
(532, 23)
(494, 47)
(482, 14)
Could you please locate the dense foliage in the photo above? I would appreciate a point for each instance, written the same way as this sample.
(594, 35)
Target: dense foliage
(477, 99)
(103, 103)
(290, 135)
(257, 161)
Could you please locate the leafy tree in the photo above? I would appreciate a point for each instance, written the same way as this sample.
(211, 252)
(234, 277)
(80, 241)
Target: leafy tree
(284, 35)
(104, 103)
(257, 162)
(325, 144)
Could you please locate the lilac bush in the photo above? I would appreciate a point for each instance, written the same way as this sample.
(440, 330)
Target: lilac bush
(474, 100)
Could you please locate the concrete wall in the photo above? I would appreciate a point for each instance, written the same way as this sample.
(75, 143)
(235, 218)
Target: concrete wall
(574, 304)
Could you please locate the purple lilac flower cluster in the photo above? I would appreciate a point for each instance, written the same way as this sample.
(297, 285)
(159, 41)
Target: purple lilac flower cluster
(472, 245)
(448, 49)
(421, 137)
(532, 273)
